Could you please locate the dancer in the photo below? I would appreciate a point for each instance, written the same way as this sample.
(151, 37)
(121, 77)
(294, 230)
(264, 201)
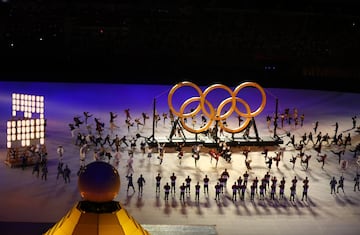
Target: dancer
(333, 183)
(357, 182)
(182, 192)
(130, 182)
(322, 160)
(60, 152)
(306, 161)
(341, 184)
(187, 181)
(158, 180)
(197, 191)
(217, 191)
(339, 153)
(206, 184)
(141, 183)
(173, 182)
(166, 191)
(305, 192)
(113, 126)
(293, 160)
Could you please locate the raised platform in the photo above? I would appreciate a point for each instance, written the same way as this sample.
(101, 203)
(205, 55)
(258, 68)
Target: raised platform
(233, 142)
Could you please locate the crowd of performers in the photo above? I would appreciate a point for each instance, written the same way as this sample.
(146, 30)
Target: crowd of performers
(105, 143)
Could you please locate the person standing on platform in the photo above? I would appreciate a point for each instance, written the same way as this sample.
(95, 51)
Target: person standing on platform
(262, 190)
(339, 153)
(353, 122)
(281, 190)
(293, 161)
(277, 158)
(225, 175)
(305, 189)
(141, 183)
(245, 178)
(67, 173)
(272, 191)
(158, 180)
(60, 170)
(167, 191)
(322, 160)
(130, 182)
(269, 162)
(149, 152)
(333, 184)
(234, 189)
(206, 184)
(196, 153)
(127, 114)
(252, 191)
(161, 153)
(44, 172)
(306, 161)
(87, 115)
(36, 168)
(60, 152)
(294, 181)
(173, 182)
(197, 192)
(113, 126)
(316, 126)
(341, 184)
(292, 192)
(217, 191)
(310, 138)
(256, 183)
(117, 143)
(357, 182)
(188, 182)
(182, 192)
(179, 149)
(242, 190)
(129, 165)
(267, 177)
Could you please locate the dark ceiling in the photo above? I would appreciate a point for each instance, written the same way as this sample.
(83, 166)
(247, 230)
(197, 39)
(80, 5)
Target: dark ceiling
(279, 43)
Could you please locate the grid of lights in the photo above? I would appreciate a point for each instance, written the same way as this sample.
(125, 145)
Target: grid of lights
(26, 128)
(24, 131)
(28, 104)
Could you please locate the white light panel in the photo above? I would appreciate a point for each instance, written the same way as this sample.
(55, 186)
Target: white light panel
(27, 125)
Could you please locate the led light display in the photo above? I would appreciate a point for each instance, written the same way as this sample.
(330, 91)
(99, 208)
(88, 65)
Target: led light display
(27, 125)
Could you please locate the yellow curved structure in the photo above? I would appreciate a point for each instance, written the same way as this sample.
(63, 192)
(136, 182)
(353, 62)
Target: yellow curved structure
(98, 215)
(79, 222)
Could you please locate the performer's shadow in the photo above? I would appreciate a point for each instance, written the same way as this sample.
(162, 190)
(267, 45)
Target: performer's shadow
(183, 208)
(139, 202)
(158, 200)
(198, 208)
(128, 198)
(174, 203)
(167, 208)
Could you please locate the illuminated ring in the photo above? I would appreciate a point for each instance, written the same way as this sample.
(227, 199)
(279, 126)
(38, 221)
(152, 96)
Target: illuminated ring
(263, 100)
(171, 93)
(182, 118)
(243, 124)
(218, 117)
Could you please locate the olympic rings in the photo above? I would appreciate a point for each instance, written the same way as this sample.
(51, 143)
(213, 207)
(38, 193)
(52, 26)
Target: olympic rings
(215, 114)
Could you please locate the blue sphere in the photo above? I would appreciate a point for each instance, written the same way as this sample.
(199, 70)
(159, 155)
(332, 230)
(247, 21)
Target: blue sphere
(99, 182)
